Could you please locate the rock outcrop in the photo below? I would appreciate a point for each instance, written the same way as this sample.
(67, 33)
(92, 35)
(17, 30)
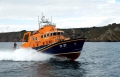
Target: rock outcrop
(109, 33)
(11, 36)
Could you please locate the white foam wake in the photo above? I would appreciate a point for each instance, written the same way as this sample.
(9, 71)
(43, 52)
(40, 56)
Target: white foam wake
(23, 55)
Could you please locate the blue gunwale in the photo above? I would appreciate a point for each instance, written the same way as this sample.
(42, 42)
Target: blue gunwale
(71, 46)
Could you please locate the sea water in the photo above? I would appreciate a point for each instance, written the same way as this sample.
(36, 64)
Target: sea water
(98, 59)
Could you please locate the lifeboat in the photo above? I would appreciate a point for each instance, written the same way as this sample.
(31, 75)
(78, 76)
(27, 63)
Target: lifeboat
(48, 39)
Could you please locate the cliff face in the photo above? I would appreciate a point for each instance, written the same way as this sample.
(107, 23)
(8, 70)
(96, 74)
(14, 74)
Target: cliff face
(106, 34)
(11, 36)
(109, 33)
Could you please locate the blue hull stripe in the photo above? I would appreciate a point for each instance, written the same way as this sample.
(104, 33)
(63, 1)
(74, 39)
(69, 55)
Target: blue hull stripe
(69, 46)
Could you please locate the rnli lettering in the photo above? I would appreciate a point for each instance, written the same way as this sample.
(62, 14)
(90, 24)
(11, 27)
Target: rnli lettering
(63, 45)
(60, 46)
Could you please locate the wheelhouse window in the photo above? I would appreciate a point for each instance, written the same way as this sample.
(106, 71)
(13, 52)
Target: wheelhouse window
(47, 34)
(36, 38)
(33, 38)
(41, 36)
(58, 33)
(51, 34)
(54, 33)
(62, 33)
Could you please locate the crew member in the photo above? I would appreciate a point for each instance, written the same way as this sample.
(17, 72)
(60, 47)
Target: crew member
(15, 45)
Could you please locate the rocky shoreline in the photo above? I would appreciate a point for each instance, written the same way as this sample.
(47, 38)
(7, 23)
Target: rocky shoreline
(109, 33)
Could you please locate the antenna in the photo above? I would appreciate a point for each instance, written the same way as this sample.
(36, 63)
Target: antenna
(51, 19)
(38, 22)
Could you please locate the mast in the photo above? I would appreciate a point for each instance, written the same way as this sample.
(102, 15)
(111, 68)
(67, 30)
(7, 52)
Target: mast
(38, 22)
(43, 21)
(51, 19)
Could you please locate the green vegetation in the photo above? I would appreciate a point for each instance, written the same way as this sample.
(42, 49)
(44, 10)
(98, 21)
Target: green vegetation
(109, 33)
